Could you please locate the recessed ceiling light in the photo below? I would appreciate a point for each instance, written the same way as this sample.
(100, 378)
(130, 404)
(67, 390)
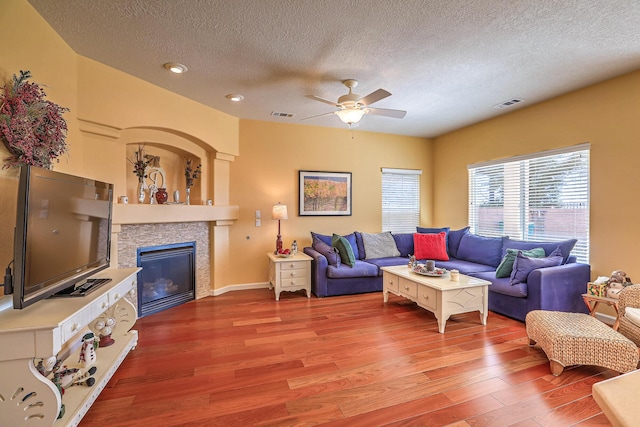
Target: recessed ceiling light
(234, 97)
(174, 67)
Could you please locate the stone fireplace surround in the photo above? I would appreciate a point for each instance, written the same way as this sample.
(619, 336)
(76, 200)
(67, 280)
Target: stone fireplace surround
(134, 236)
(141, 225)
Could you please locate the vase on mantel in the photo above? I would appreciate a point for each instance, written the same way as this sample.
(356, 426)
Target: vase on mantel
(141, 190)
(188, 201)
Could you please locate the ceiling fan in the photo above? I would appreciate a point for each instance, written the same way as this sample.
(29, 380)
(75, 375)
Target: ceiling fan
(351, 107)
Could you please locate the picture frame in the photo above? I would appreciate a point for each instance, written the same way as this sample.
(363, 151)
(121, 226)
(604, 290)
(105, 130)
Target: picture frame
(324, 193)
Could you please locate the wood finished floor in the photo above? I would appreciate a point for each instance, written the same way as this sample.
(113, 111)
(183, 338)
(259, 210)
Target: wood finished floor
(243, 359)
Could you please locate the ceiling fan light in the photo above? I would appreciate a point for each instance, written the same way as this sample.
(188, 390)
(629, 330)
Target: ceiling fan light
(350, 116)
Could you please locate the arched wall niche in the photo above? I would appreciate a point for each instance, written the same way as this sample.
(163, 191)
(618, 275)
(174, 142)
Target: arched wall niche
(173, 149)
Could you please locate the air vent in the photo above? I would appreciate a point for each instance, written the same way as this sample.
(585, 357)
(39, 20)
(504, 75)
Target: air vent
(286, 115)
(509, 103)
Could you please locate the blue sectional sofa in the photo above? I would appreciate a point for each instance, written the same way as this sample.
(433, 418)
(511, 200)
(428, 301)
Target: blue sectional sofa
(542, 283)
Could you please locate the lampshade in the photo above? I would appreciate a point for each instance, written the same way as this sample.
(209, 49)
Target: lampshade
(279, 211)
(350, 115)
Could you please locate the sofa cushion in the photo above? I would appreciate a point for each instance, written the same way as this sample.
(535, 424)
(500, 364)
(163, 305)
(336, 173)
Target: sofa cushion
(503, 285)
(435, 230)
(506, 265)
(360, 245)
(329, 252)
(430, 246)
(379, 245)
(345, 249)
(351, 238)
(565, 246)
(404, 243)
(454, 240)
(480, 249)
(359, 269)
(464, 267)
(387, 262)
(633, 314)
(523, 265)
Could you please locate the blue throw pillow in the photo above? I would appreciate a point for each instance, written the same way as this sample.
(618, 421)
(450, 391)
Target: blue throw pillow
(454, 240)
(565, 246)
(480, 249)
(330, 253)
(523, 265)
(506, 265)
(360, 244)
(404, 243)
(344, 248)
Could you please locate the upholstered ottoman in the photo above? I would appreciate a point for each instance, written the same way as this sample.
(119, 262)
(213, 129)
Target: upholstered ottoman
(579, 339)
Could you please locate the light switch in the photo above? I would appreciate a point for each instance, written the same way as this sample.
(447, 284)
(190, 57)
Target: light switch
(257, 222)
(257, 215)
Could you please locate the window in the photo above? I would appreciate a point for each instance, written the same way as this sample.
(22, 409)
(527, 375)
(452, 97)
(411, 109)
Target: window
(400, 200)
(541, 197)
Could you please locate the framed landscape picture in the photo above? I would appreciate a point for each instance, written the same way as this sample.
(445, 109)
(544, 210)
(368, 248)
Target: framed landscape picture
(324, 193)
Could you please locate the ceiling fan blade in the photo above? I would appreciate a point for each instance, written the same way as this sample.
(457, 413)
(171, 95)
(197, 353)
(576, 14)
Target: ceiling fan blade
(397, 114)
(319, 115)
(326, 101)
(374, 97)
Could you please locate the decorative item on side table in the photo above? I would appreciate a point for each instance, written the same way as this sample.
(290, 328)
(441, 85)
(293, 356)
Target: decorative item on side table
(191, 174)
(140, 169)
(279, 212)
(32, 128)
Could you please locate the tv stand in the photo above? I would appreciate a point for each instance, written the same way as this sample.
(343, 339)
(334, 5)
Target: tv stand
(54, 327)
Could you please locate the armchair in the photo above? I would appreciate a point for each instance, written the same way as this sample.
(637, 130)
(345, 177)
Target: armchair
(629, 313)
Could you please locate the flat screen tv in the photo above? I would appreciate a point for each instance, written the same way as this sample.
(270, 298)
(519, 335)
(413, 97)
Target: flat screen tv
(63, 232)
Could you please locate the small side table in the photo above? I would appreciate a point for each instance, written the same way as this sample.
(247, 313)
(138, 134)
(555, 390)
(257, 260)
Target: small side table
(290, 274)
(593, 302)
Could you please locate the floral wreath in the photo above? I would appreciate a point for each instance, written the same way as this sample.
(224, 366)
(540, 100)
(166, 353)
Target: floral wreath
(31, 127)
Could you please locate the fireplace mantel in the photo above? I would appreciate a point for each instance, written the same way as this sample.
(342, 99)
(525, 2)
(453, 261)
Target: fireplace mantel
(158, 214)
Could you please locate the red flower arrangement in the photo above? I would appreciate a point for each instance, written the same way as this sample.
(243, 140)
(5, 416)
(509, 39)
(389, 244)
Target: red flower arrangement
(32, 128)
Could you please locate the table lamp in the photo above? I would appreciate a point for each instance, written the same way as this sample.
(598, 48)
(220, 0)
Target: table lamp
(279, 212)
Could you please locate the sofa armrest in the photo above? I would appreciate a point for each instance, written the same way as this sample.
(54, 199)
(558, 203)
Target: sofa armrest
(558, 288)
(319, 266)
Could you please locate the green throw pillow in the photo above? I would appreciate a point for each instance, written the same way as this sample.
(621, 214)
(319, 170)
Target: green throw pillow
(344, 249)
(506, 265)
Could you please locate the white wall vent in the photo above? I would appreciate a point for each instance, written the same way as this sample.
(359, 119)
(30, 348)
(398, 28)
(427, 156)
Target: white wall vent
(509, 103)
(286, 115)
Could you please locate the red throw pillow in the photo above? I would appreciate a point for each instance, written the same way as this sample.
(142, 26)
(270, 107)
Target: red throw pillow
(430, 246)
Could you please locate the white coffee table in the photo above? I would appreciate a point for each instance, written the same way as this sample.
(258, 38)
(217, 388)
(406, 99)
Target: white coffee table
(439, 295)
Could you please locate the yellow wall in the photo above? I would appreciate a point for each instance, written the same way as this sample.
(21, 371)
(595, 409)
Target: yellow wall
(266, 172)
(608, 116)
(261, 159)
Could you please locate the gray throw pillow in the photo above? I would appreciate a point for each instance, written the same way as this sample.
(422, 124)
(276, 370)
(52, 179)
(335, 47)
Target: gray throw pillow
(381, 245)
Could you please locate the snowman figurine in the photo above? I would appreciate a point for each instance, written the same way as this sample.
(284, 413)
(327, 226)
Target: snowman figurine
(88, 350)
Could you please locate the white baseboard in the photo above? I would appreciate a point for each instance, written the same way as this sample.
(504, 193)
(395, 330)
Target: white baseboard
(241, 287)
(605, 318)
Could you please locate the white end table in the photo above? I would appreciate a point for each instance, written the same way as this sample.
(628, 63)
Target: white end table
(290, 274)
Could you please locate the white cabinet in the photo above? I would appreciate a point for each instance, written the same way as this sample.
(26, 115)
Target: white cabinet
(54, 327)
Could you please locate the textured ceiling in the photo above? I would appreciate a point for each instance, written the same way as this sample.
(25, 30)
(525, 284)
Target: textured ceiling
(446, 62)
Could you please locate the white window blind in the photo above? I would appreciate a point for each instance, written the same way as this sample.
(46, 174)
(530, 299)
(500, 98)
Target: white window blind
(400, 200)
(541, 197)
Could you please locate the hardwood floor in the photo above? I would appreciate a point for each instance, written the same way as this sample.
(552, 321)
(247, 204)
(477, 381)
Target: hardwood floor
(243, 359)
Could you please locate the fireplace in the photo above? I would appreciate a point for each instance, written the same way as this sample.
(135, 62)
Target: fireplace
(167, 278)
